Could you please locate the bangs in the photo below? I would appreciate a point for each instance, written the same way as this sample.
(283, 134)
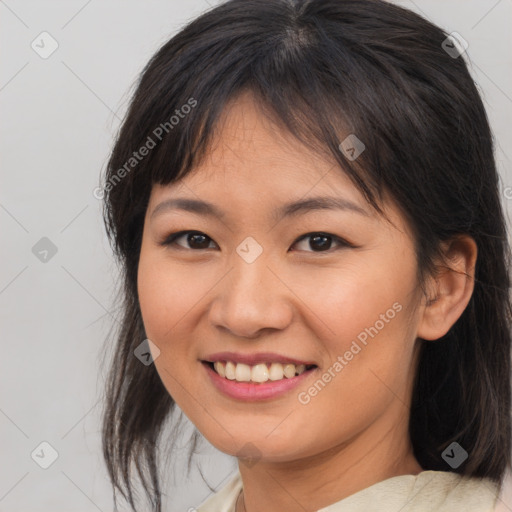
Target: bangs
(336, 91)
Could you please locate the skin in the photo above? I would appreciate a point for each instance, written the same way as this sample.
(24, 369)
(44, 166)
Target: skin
(295, 299)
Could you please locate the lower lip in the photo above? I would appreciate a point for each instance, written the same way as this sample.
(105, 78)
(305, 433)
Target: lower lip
(250, 391)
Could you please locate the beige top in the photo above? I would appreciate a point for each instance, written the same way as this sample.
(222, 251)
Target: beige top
(428, 491)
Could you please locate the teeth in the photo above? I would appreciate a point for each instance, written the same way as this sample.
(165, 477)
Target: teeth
(289, 370)
(257, 373)
(276, 371)
(230, 370)
(220, 368)
(242, 373)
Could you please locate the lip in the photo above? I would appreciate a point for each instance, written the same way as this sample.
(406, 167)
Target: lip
(252, 391)
(253, 359)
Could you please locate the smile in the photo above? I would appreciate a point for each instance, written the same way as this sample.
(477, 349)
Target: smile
(258, 373)
(249, 390)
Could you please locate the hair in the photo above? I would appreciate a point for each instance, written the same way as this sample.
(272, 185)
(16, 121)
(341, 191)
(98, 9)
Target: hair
(324, 69)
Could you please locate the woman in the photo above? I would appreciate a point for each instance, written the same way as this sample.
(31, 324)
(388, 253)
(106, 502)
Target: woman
(368, 369)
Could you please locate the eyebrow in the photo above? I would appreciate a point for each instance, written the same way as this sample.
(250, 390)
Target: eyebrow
(292, 209)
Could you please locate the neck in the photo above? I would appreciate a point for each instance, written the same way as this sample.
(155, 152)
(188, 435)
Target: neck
(323, 479)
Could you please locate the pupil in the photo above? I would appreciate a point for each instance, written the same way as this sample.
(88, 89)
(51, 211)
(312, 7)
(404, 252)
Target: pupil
(193, 237)
(325, 244)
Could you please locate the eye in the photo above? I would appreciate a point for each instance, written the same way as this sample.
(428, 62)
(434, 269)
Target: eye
(323, 241)
(198, 240)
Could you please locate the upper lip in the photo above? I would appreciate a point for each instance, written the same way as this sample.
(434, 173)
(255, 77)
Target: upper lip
(253, 359)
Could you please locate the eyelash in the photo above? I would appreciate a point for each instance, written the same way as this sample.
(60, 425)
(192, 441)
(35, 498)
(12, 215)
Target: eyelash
(171, 240)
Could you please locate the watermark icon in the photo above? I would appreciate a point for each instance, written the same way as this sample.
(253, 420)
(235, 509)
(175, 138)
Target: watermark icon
(507, 192)
(147, 352)
(249, 454)
(151, 142)
(352, 147)
(249, 250)
(328, 375)
(44, 45)
(44, 249)
(454, 455)
(454, 45)
(44, 455)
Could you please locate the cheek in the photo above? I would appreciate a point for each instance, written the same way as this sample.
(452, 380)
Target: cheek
(360, 313)
(166, 294)
(167, 297)
(367, 343)
(346, 301)
(369, 316)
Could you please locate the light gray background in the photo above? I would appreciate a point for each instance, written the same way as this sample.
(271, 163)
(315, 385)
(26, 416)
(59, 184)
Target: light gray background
(59, 116)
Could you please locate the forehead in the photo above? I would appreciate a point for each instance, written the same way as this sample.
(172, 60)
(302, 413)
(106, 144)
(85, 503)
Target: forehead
(250, 150)
(255, 166)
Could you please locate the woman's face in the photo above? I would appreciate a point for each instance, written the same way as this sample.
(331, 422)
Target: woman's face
(343, 298)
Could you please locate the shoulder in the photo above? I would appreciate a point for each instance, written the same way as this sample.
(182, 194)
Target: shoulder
(442, 491)
(453, 492)
(504, 502)
(224, 500)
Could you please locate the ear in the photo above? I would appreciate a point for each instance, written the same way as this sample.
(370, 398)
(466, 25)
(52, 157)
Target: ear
(450, 289)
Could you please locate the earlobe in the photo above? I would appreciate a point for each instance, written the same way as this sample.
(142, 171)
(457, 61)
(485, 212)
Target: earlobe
(451, 288)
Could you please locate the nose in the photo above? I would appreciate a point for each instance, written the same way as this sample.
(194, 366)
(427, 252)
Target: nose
(251, 300)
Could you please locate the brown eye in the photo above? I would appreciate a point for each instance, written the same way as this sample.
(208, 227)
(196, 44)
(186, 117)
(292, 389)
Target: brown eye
(321, 242)
(195, 239)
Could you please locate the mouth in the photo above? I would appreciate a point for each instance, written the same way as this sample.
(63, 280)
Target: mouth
(270, 382)
(258, 373)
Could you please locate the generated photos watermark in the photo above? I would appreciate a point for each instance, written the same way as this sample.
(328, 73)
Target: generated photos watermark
(151, 142)
(328, 375)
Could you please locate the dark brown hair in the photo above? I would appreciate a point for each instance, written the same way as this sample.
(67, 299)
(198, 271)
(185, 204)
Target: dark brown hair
(324, 69)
